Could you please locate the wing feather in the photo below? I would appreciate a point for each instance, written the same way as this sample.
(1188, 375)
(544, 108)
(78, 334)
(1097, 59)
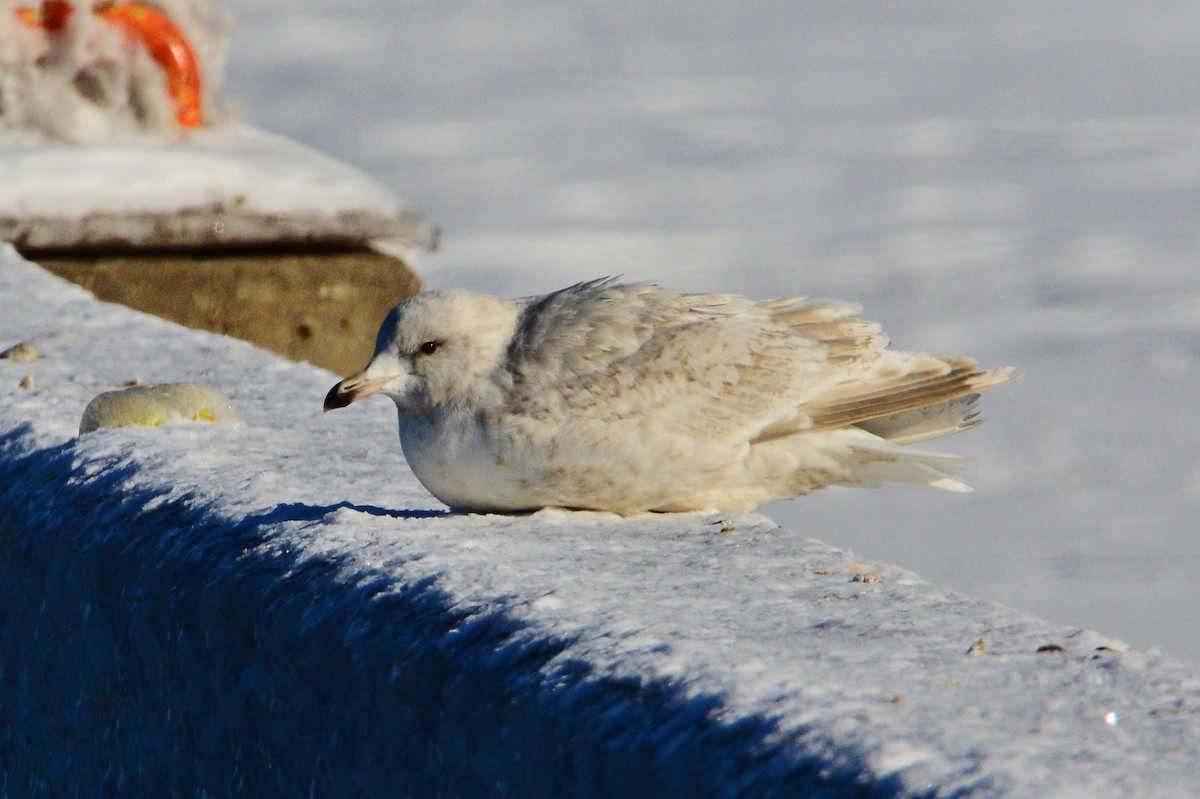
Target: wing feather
(721, 366)
(718, 366)
(926, 384)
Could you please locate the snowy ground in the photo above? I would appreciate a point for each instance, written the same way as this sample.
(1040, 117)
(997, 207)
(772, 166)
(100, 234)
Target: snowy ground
(1016, 184)
(279, 609)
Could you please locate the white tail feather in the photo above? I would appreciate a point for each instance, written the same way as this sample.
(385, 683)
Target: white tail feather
(875, 461)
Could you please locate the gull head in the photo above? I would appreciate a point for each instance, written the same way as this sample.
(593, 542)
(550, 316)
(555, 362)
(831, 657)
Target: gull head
(431, 349)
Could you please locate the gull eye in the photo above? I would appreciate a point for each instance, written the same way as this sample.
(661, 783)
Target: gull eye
(428, 347)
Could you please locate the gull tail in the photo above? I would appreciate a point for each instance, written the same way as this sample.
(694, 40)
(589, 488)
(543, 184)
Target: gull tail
(930, 421)
(883, 418)
(874, 461)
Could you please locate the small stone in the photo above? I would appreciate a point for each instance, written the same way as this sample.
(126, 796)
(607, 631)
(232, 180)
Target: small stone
(1051, 648)
(864, 577)
(978, 648)
(28, 383)
(24, 352)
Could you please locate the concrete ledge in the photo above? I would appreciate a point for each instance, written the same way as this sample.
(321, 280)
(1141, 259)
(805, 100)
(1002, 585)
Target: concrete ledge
(212, 228)
(322, 307)
(172, 652)
(279, 610)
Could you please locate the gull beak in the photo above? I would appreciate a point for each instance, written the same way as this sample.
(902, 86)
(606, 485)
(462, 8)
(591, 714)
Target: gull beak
(354, 388)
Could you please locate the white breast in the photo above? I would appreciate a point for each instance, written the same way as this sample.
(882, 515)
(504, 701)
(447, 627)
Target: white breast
(457, 461)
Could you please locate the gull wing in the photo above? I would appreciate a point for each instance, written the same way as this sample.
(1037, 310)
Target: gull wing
(713, 366)
(731, 369)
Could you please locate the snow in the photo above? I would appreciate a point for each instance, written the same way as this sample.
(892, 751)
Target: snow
(229, 185)
(1017, 184)
(279, 608)
(255, 171)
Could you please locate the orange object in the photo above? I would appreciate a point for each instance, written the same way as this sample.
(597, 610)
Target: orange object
(52, 15)
(169, 47)
(162, 39)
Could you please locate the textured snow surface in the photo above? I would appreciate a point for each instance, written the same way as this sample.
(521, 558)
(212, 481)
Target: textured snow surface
(280, 609)
(1014, 182)
(229, 165)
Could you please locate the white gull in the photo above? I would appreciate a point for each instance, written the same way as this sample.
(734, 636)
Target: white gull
(630, 398)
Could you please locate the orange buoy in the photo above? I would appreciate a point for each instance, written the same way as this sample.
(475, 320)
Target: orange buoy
(170, 48)
(162, 39)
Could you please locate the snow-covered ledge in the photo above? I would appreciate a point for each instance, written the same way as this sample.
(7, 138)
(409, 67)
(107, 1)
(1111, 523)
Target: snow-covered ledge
(278, 609)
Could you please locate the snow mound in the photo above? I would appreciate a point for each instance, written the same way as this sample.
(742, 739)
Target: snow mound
(228, 186)
(279, 609)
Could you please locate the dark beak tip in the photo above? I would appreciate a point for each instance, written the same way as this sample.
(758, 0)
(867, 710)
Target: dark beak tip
(337, 398)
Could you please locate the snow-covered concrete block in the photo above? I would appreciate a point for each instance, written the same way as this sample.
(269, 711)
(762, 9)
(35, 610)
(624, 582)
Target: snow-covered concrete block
(280, 609)
(112, 138)
(228, 186)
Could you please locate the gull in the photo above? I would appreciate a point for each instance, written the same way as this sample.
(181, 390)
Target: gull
(626, 397)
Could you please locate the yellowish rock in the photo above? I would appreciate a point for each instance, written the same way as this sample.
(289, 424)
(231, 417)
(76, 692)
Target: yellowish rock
(155, 404)
(24, 352)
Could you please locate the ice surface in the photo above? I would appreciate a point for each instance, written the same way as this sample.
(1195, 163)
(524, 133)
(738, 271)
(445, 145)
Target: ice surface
(1016, 183)
(280, 609)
